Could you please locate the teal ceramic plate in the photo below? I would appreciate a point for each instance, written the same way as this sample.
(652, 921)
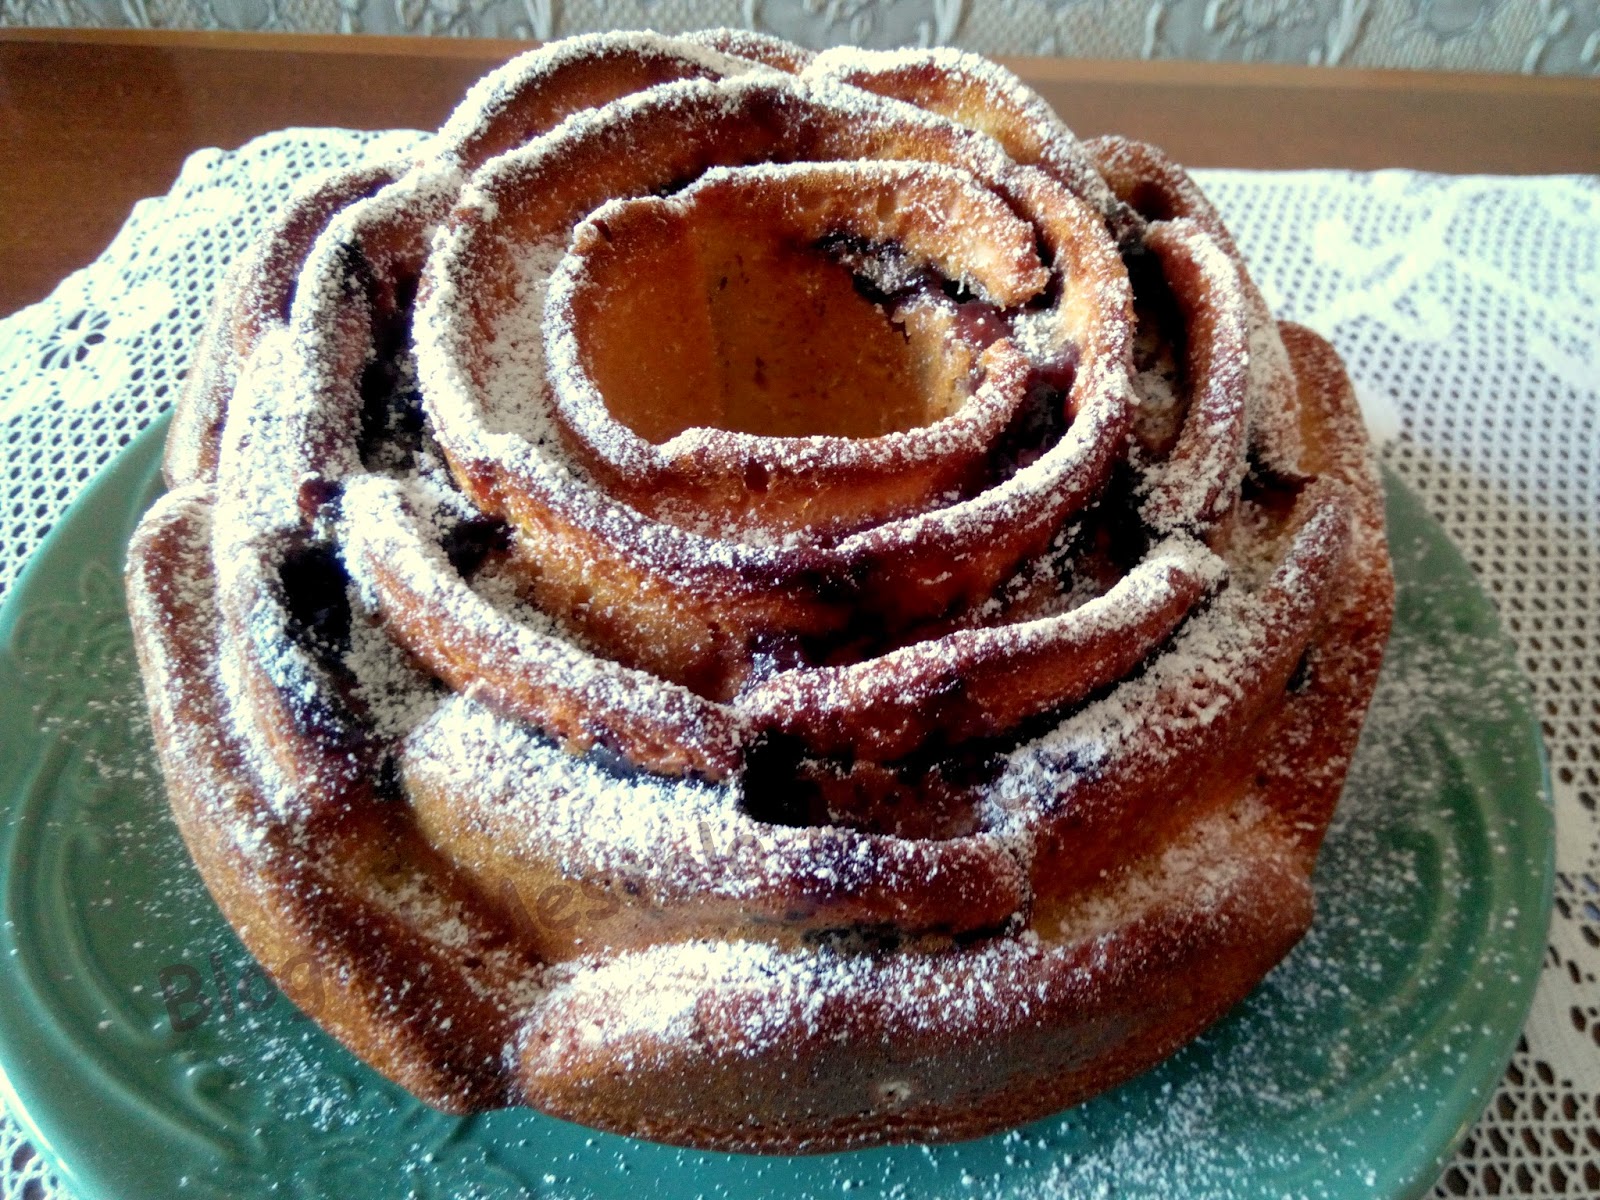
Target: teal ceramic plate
(149, 1058)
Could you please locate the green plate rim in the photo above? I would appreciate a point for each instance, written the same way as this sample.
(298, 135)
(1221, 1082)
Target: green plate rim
(84, 1153)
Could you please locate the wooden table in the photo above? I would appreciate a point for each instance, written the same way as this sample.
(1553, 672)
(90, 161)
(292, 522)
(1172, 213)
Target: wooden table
(92, 120)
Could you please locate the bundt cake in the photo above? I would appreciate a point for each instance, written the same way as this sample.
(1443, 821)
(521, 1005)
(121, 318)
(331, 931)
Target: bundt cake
(759, 600)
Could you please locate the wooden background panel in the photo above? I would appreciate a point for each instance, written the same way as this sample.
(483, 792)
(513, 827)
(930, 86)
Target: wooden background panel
(91, 121)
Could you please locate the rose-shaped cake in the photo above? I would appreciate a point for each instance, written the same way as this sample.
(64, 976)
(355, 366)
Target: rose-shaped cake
(760, 601)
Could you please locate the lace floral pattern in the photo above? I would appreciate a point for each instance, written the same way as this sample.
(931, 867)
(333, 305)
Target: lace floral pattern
(1468, 310)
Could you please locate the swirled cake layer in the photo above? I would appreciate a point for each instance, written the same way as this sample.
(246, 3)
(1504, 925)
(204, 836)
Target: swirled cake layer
(760, 600)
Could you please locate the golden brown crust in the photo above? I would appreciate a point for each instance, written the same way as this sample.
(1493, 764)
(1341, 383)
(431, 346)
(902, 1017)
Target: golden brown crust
(255, 297)
(564, 734)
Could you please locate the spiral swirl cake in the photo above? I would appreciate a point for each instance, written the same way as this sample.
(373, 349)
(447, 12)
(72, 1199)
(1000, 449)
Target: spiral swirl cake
(758, 600)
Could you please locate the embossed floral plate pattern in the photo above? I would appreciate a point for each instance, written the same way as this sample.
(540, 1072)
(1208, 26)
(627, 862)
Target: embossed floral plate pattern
(150, 1057)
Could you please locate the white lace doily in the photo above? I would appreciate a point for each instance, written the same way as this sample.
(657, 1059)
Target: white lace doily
(1467, 309)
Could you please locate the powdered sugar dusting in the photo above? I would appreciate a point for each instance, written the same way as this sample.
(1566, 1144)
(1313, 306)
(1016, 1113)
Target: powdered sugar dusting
(428, 595)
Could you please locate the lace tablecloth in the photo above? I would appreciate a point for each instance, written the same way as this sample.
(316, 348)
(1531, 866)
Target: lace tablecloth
(1467, 309)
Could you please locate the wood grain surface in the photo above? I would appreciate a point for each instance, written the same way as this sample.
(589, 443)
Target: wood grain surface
(93, 120)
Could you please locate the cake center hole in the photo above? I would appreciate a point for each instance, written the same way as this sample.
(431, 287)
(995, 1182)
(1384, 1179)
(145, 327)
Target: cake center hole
(702, 323)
